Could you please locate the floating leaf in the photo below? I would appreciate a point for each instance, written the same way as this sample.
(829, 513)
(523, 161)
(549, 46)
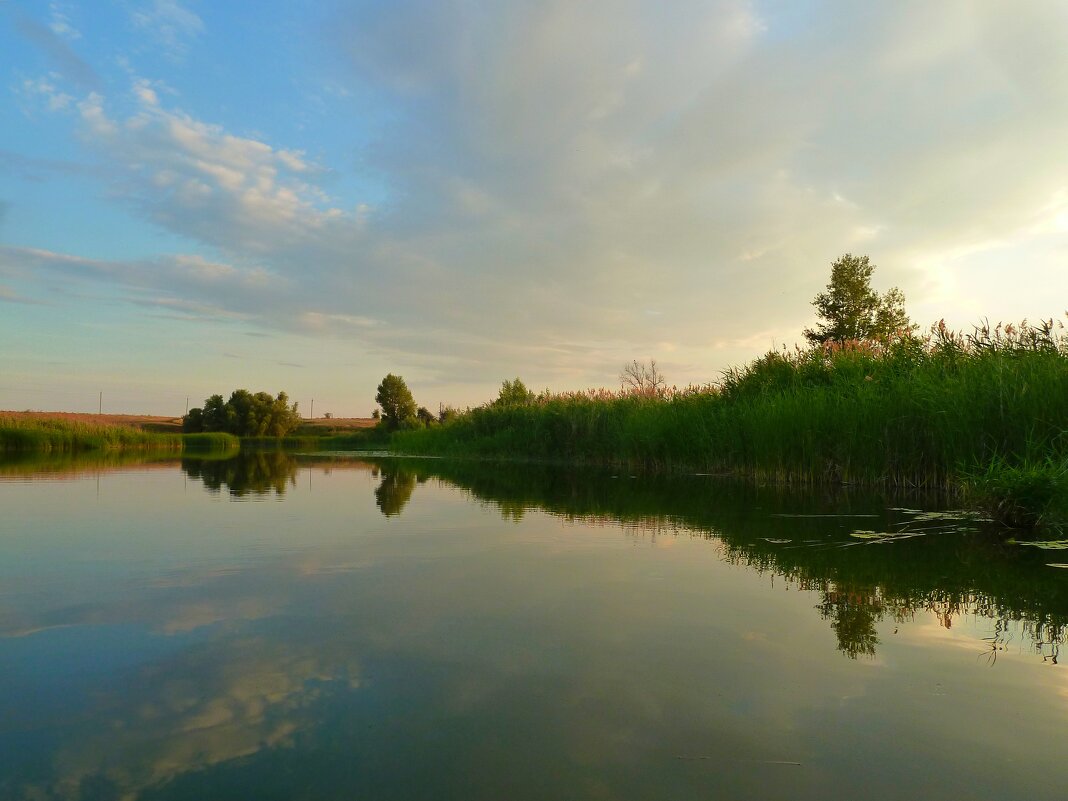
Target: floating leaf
(951, 514)
(825, 515)
(1056, 564)
(1048, 545)
(883, 535)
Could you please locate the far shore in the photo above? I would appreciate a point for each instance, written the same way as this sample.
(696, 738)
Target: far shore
(173, 425)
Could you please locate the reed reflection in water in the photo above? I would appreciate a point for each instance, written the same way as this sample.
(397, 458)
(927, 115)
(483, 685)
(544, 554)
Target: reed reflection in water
(948, 564)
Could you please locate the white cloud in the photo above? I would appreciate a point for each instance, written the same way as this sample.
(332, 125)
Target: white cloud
(96, 121)
(52, 41)
(60, 23)
(568, 183)
(145, 93)
(246, 292)
(169, 24)
(46, 88)
(196, 179)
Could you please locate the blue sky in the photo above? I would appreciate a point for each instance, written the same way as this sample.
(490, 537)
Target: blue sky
(196, 197)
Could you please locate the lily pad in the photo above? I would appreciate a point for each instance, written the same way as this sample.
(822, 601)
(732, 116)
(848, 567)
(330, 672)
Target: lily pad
(882, 535)
(1048, 545)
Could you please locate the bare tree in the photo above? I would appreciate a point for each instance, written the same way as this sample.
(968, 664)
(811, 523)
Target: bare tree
(645, 380)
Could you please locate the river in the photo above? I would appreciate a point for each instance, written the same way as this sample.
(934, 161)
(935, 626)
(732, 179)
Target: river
(331, 626)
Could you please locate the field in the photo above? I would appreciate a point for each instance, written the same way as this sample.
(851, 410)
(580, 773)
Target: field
(173, 425)
(142, 422)
(71, 432)
(335, 425)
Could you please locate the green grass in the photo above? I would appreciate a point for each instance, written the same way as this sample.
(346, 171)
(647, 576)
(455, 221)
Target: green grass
(919, 412)
(22, 463)
(362, 439)
(1026, 495)
(21, 435)
(59, 436)
(214, 442)
(321, 441)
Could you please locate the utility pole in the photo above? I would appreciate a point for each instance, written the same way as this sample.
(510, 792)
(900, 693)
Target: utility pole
(312, 414)
(100, 403)
(186, 405)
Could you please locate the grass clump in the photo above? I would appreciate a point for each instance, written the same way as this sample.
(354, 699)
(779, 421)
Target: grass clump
(210, 442)
(1021, 495)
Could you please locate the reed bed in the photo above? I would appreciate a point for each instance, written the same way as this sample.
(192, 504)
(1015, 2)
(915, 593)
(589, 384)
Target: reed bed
(62, 436)
(940, 410)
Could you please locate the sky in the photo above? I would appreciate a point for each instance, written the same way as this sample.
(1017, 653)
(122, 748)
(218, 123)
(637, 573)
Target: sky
(303, 196)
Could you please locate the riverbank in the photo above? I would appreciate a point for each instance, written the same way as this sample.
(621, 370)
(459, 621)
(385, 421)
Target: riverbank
(984, 416)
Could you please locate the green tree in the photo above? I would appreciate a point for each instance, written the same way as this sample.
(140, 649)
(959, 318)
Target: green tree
(396, 401)
(245, 415)
(241, 413)
(215, 414)
(514, 393)
(850, 309)
(193, 422)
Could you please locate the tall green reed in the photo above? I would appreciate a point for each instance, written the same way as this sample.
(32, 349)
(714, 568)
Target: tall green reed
(62, 436)
(916, 411)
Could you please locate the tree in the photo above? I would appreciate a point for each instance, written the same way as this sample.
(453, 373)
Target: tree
(850, 309)
(214, 414)
(245, 415)
(279, 418)
(398, 405)
(193, 422)
(425, 416)
(645, 380)
(514, 393)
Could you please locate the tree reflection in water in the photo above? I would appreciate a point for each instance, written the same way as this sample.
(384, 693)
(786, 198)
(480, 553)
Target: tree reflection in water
(395, 488)
(947, 565)
(943, 565)
(256, 473)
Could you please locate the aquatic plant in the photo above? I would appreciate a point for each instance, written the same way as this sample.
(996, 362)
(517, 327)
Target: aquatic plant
(1022, 495)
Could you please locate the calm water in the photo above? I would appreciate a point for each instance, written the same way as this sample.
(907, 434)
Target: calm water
(283, 627)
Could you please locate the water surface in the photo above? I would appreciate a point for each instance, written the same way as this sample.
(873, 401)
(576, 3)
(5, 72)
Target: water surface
(282, 627)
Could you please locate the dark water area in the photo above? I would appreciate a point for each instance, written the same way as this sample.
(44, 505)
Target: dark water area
(279, 626)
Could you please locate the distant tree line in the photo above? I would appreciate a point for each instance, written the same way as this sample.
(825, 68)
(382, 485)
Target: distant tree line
(245, 414)
(397, 409)
(849, 310)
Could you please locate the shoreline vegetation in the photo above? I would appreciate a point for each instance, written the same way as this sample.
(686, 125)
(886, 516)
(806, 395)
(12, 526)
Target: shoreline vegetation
(981, 416)
(30, 434)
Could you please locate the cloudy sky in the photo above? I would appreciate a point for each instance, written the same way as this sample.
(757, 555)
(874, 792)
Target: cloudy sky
(303, 196)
